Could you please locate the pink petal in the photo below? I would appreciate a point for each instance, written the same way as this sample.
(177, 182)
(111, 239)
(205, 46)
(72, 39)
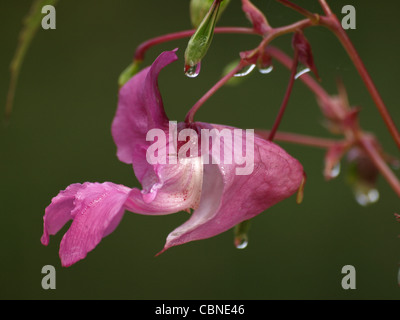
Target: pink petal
(140, 109)
(96, 210)
(228, 199)
(58, 213)
(179, 188)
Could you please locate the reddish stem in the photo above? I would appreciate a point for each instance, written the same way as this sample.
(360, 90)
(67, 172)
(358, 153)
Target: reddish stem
(286, 97)
(304, 12)
(143, 47)
(363, 139)
(190, 115)
(380, 163)
(308, 80)
(330, 21)
(334, 25)
(325, 7)
(300, 139)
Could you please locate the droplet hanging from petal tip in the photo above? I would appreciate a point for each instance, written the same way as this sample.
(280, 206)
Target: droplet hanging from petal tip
(241, 242)
(241, 239)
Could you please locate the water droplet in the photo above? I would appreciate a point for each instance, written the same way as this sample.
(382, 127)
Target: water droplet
(366, 197)
(245, 71)
(192, 71)
(301, 72)
(335, 171)
(241, 242)
(266, 70)
(240, 239)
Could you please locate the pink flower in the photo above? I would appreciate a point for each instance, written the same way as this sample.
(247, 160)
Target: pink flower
(219, 196)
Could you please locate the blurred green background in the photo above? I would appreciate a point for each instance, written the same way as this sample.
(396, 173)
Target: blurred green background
(59, 134)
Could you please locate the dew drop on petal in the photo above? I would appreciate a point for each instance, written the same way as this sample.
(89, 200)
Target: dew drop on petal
(301, 72)
(241, 239)
(266, 70)
(241, 242)
(192, 71)
(245, 71)
(367, 196)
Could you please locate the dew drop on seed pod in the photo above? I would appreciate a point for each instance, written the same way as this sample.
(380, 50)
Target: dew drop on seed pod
(192, 71)
(266, 70)
(365, 197)
(301, 72)
(241, 242)
(245, 71)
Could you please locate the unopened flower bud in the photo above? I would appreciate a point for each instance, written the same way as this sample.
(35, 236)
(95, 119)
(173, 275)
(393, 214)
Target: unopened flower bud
(256, 17)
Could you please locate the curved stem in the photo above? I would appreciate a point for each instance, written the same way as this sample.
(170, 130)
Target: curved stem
(362, 139)
(325, 7)
(334, 25)
(276, 32)
(286, 97)
(142, 48)
(300, 10)
(380, 163)
(308, 80)
(331, 22)
(305, 140)
(190, 115)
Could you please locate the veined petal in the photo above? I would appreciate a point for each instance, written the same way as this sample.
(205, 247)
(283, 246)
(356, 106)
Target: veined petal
(228, 199)
(96, 210)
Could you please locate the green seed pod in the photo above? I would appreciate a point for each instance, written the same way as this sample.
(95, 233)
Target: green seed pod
(199, 9)
(201, 40)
